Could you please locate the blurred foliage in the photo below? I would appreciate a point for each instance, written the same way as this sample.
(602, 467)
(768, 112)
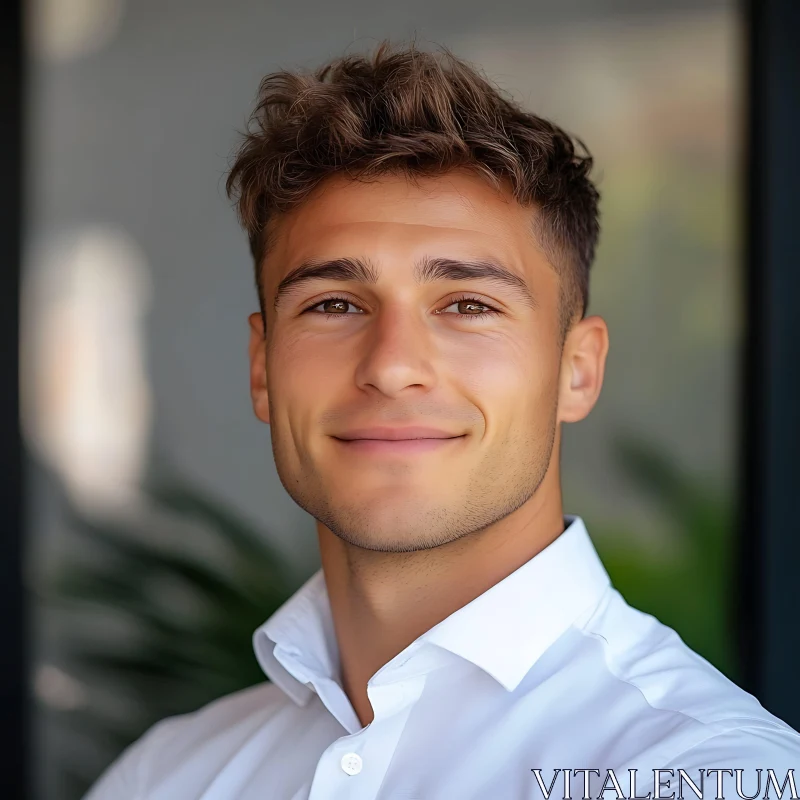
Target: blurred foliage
(189, 619)
(178, 662)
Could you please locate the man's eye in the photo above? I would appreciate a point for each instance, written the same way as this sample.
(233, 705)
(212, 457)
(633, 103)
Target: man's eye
(340, 301)
(472, 302)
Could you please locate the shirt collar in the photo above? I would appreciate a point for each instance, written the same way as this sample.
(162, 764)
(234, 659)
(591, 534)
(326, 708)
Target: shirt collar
(503, 631)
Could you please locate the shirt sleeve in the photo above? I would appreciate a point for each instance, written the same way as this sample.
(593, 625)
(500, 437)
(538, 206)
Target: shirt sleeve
(754, 760)
(124, 778)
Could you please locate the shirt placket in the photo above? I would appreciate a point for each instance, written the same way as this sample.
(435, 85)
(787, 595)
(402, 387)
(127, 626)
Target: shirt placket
(354, 766)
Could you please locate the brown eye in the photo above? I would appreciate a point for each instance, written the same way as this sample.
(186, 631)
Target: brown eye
(335, 305)
(471, 308)
(332, 306)
(468, 304)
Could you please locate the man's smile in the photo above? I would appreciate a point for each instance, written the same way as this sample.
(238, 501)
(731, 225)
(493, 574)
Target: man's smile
(404, 447)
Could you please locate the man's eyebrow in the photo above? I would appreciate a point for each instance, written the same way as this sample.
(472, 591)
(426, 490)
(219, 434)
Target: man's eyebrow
(427, 270)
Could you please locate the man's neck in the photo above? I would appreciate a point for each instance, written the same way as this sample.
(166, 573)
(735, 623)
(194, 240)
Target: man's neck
(381, 602)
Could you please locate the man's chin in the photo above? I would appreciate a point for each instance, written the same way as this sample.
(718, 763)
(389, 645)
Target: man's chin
(392, 541)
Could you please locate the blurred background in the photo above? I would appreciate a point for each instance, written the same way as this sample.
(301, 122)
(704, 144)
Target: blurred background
(157, 534)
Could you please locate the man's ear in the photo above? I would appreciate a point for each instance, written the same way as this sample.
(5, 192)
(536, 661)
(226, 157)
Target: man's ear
(258, 367)
(583, 364)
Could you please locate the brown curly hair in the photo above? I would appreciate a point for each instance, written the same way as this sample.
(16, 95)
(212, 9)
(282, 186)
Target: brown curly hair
(407, 111)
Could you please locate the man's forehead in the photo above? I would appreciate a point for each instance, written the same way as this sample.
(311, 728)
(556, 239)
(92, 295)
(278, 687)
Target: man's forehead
(451, 211)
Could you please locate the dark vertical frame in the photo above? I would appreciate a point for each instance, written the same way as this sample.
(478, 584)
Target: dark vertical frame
(769, 535)
(13, 652)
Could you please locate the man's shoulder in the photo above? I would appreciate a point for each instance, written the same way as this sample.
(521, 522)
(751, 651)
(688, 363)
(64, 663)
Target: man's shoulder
(241, 710)
(219, 726)
(751, 744)
(700, 711)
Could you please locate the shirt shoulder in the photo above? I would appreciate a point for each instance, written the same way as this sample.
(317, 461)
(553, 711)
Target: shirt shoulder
(750, 747)
(220, 726)
(701, 713)
(752, 760)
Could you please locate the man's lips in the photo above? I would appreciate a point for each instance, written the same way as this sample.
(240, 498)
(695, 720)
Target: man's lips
(397, 433)
(397, 446)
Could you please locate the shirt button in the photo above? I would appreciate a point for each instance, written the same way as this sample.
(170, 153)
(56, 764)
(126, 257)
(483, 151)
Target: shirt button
(352, 763)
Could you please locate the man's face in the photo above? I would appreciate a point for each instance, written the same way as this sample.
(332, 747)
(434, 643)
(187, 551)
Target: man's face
(381, 355)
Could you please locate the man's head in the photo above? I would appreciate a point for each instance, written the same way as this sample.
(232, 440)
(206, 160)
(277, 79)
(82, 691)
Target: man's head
(444, 239)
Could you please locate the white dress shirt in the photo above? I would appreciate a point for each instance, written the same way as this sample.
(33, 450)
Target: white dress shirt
(550, 669)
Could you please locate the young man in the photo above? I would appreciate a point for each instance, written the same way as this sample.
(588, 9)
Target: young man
(462, 640)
